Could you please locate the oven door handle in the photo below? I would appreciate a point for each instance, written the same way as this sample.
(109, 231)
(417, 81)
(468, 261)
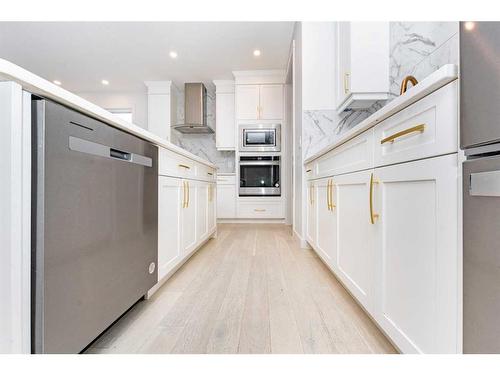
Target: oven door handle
(259, 163)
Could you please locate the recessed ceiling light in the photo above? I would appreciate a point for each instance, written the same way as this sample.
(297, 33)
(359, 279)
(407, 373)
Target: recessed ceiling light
(173, 54)
(256, 52)
(469, 25)
(105, 82)
(58, 83)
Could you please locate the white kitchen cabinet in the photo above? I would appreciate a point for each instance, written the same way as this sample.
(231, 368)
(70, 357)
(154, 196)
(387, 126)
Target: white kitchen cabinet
(311, 224)
(362, 66)
(226, 196)
(211, 211)
(170, 200)
(247, 102)
(259, 102)
(225, 115)
(189, 227)
(271, 102)
(201, 209)
(326, 219)
(355, 264)
(416, 254)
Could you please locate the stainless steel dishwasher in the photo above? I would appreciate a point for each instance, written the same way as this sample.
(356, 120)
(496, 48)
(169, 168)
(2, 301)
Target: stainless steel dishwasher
(94, 226)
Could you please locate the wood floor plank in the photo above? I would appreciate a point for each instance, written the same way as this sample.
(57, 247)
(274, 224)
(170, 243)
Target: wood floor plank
(250, 290)
(226, 333)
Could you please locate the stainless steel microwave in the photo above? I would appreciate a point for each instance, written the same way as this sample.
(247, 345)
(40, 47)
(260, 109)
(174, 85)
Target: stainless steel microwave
(260, 137)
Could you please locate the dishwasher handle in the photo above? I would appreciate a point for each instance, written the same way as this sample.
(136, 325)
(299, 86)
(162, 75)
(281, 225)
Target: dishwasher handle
(97, 149)
(118, 154)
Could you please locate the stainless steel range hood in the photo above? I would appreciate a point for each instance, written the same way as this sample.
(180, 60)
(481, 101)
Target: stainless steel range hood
(195, 110)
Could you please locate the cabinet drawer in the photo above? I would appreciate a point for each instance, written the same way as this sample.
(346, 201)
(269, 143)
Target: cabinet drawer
(427, 128)
(226, 180)
(205, 173)
(354, 155)
(175, 165)
(260, 210)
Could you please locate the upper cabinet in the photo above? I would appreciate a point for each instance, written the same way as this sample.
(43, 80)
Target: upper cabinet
(259, 102)
(362, 66)
(224, 115)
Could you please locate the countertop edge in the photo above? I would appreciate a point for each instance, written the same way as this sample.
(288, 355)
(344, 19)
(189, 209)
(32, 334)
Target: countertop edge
(39, 86)
(441, 77)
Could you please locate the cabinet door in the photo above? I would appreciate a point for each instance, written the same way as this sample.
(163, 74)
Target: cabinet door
(189, 226)
(247, 102)
(326, 244)
(201, 210)
(226, 201)
(170, 198)
(212, 197)
(225, 122)
(343, 61)
(311, 213)
(271, 102)
(417, 254)
(356, 235)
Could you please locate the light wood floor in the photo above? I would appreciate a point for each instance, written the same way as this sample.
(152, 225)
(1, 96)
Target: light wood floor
(251, 290)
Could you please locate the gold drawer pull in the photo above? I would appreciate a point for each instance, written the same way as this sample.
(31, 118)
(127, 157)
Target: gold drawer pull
(373, 216)
(259, 209)
(184, 166)
(417, 128)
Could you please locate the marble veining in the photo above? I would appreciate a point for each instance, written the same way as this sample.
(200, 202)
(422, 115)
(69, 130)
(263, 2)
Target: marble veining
(203, 145)
(416, 48)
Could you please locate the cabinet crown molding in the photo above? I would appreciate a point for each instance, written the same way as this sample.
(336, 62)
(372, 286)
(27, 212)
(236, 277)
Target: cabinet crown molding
(249, 77)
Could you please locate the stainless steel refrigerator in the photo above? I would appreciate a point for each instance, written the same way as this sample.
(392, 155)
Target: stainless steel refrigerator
(95, 211)
(480, 138)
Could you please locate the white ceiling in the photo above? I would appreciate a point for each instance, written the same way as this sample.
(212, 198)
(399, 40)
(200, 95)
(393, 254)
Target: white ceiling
(81, 54)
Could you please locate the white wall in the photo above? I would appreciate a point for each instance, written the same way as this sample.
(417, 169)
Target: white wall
(137, 101)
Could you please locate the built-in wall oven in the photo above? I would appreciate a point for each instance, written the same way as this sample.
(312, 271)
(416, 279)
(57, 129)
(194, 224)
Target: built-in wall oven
(260, 176)
(260, 137)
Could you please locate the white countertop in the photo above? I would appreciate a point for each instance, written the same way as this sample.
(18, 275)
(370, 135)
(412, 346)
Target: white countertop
(37, 85)
(439, 78)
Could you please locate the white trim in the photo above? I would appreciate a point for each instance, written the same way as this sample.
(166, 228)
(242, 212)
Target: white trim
(251, 221)
(15, 225)
(253, 77)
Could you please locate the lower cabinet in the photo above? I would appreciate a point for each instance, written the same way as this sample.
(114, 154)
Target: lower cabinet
(212, 211)
(326, 219)
(170, 202)
(417, 258)
(392, 239)
(355, 263)
(311, 223)
(190, 222)
(186, 218)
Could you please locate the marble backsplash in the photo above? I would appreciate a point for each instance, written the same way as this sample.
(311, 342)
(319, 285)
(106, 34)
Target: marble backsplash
(203, 145)
(416, 48)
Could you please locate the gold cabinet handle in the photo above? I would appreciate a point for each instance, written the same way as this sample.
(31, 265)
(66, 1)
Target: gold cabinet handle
(184, 166)
(259, 209)
(210, 174)
(308, 170)
(331, 205)
(188, 194)
(183, 194)
(417, 128)
(346, 83)
(373, 216)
